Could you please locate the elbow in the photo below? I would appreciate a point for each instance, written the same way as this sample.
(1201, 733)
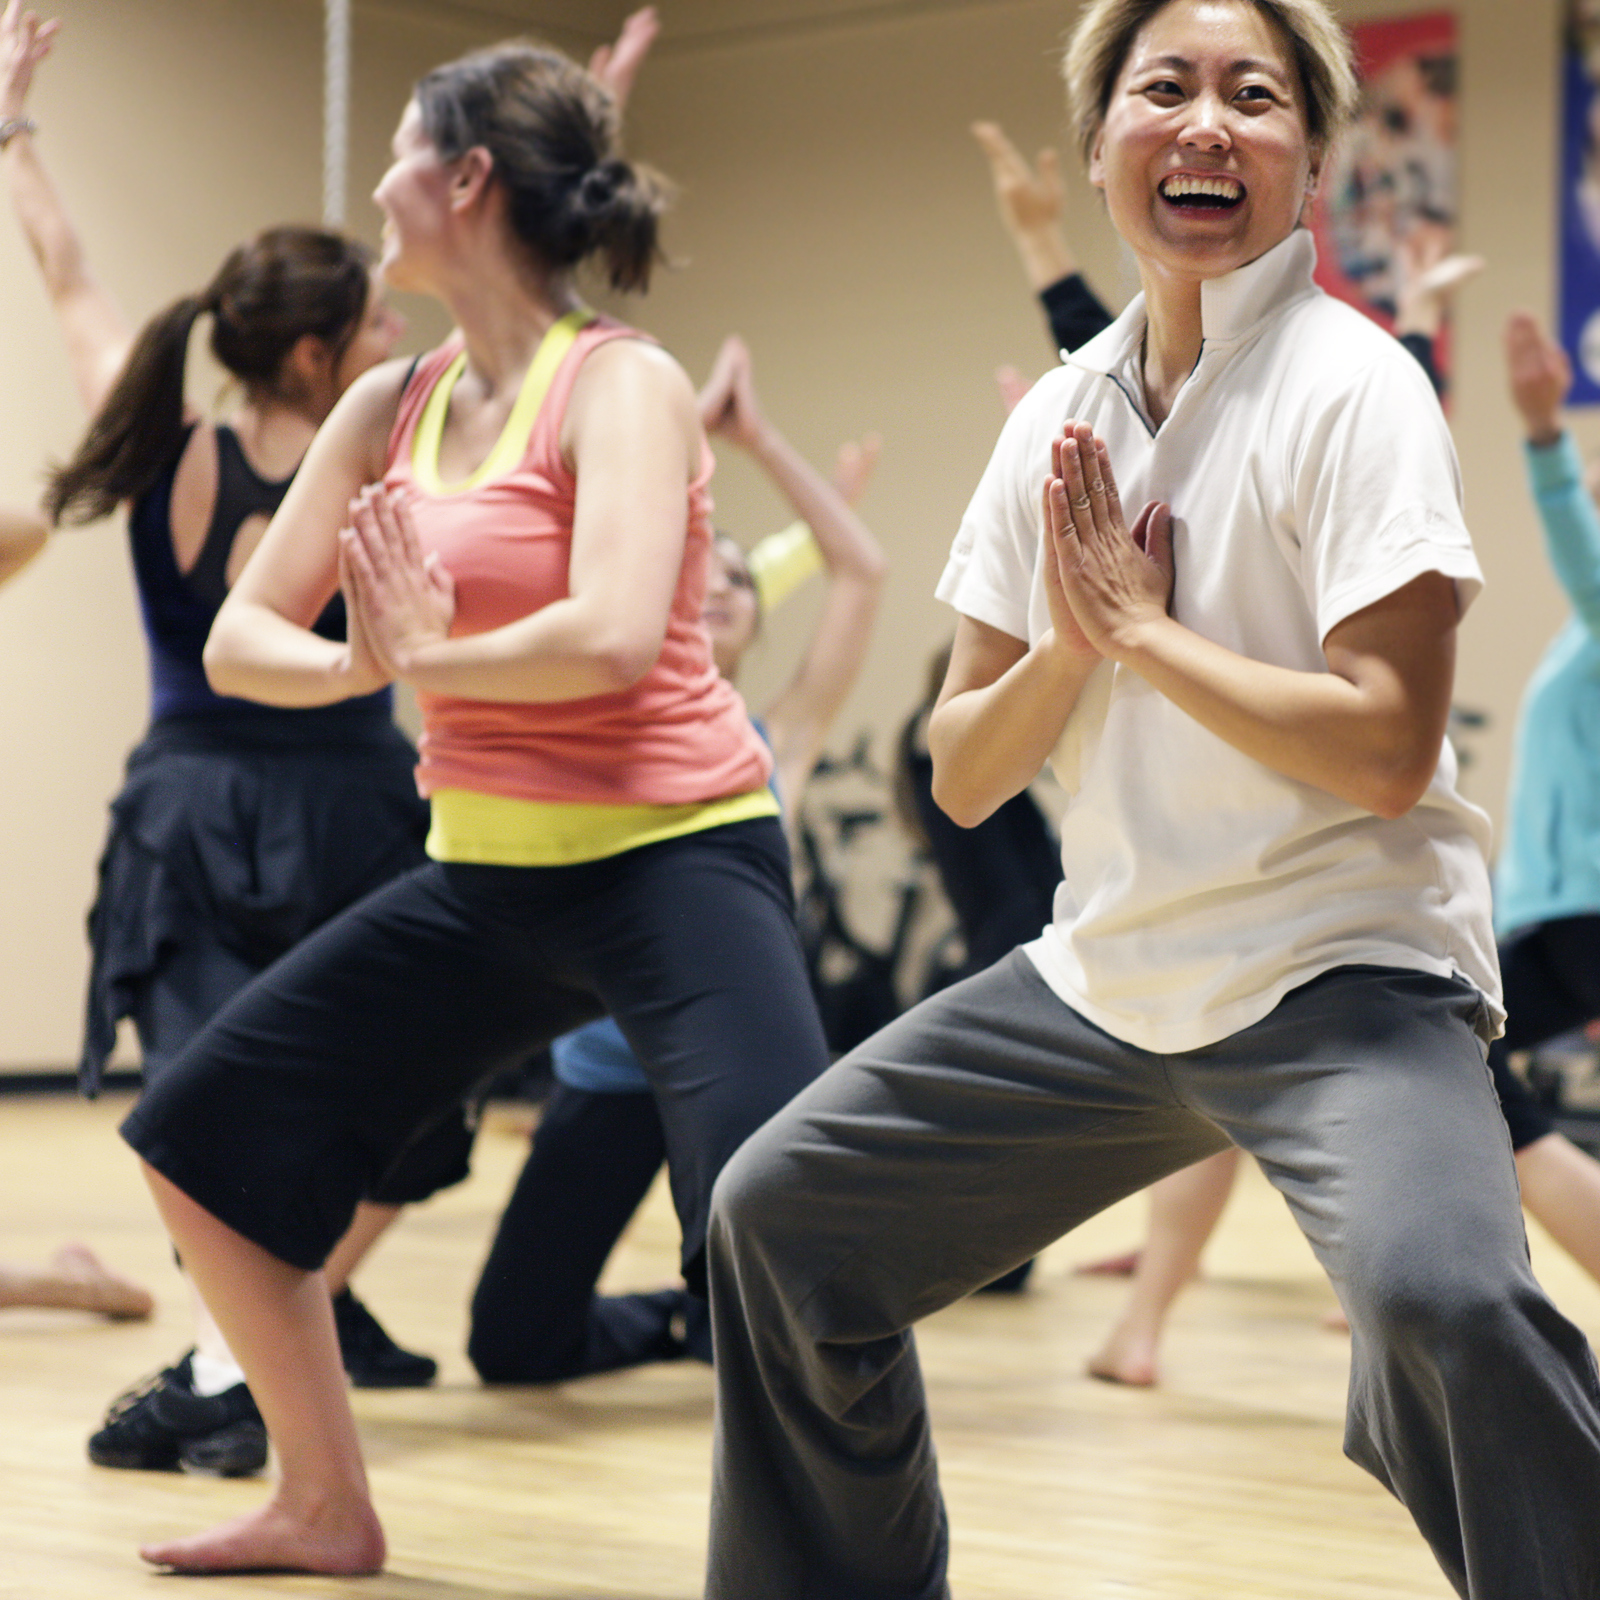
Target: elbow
(954, 792)
(219, 662)
(619, 663)
(1394, 788)
(1393, 800)
(964, 807)
(874, 570)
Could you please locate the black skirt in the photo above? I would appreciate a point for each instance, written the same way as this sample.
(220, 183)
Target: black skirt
(233, 837)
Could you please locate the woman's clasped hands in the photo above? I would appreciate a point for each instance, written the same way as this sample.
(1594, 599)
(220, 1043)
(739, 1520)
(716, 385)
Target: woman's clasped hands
(1106, 579)
(399, 600)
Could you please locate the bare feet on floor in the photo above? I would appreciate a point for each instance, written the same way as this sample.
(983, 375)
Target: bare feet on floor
(346, 1542)
(102, 1290)
(1123, 1266)
(75, 1279)
(1126, 1357)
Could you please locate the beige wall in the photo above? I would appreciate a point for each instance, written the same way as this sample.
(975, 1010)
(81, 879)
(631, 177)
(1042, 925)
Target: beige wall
(834, 211)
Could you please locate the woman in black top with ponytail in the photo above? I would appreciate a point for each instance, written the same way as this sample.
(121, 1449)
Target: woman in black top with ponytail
(240, 827)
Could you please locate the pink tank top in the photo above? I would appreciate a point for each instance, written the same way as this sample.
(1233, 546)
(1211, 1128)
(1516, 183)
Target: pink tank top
(679, 735)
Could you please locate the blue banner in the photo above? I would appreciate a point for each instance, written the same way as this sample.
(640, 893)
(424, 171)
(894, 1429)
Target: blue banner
(1580, 229)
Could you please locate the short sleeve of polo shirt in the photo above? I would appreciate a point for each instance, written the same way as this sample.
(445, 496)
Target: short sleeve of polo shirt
(989, 575)
(1377, 493)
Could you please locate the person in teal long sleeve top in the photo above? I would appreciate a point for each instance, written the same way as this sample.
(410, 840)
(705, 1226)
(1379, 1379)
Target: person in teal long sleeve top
(1547, 887)
(1550, 865)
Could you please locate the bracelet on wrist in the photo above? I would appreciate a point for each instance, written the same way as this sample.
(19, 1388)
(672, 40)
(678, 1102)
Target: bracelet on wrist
(12, 126)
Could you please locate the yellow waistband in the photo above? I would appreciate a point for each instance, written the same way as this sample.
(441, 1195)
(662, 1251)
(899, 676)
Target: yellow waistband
(495, 830)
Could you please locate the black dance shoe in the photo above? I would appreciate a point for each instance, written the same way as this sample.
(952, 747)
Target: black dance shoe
(162, 1425)
(371, 1358)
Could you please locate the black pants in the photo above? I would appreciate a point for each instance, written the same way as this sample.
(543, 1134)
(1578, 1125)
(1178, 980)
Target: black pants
(1551, 973)
(535, 1315)
(309, 1085)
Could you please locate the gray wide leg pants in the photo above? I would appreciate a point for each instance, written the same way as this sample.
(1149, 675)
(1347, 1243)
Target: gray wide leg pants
(991, 1119)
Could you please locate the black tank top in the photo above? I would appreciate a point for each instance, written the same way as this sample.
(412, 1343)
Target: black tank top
(178, 607)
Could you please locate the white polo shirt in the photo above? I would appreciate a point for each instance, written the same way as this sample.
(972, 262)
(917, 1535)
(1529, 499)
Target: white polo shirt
(1310, 473)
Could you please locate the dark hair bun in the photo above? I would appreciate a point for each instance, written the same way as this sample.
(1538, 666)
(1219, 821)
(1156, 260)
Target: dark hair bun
(550, 129)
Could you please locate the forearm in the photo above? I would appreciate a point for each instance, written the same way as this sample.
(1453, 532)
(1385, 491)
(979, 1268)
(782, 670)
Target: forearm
(567, 650)
(96, 333)
(43, 218)
(22, 537)
(1045, 254)
(1569, 520)
(1363, 743)
(845, 543)
(253, 653)
(990, 743)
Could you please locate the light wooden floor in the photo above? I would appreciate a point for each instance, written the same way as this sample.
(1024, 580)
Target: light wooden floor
(1226, 1482)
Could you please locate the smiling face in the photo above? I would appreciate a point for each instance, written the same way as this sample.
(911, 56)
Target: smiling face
(731, 611)
(414, 196)
(1204, 155)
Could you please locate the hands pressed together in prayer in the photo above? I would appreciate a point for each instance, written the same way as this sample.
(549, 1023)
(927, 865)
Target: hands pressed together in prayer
(1106, 578)
(398, 600)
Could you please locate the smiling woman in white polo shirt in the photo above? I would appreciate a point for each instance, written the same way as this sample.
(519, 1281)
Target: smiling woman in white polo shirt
(1274, 925)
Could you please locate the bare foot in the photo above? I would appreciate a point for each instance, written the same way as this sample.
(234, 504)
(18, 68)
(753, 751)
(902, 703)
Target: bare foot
(1125, 1358)
(344, 1541)
(100, 1288)
(1123, 1266)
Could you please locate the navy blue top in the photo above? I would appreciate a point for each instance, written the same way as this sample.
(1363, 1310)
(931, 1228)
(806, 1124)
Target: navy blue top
(178, 608)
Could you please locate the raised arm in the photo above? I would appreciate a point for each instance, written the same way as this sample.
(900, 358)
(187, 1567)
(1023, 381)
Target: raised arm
(798, 720)
(1429, 275)
(617, 65)
(633, 437)
(97, 335)
(1368, 730)
(1540, 377)
(22, 537)
(261, 645)
(1031, 202)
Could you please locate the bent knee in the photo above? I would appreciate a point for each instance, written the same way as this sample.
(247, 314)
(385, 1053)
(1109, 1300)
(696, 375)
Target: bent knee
(1446, 1310)
(500, 1358)
(748, 1190)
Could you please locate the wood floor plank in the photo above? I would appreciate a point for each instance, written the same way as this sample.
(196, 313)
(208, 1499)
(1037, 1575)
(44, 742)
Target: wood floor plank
(1226, 1481)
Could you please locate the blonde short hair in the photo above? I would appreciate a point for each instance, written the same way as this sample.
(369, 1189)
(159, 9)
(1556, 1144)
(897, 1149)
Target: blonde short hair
(1106, 30)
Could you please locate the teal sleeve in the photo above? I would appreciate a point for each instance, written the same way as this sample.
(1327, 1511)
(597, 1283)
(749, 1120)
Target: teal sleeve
(1571, 524)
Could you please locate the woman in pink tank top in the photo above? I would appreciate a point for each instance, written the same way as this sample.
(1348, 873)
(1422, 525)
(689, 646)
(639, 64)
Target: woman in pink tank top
(521, 528)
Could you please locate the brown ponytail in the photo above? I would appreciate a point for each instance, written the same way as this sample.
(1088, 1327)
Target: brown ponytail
(268, 294)
(139, 427)
(551, 130)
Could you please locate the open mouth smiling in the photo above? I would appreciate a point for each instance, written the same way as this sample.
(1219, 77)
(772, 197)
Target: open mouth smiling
(1186, 192)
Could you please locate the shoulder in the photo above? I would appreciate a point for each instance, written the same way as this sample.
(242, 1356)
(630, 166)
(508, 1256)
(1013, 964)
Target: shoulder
(625, 381)
(630, 361)
(1335, 377)
(375, 395)
(1334, 348)
(360, 423)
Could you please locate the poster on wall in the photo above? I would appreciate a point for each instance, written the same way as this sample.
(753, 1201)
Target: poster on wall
(1580, 199)
(1385, 213)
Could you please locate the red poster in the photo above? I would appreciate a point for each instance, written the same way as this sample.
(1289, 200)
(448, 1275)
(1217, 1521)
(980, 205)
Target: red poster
(1386, 210)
